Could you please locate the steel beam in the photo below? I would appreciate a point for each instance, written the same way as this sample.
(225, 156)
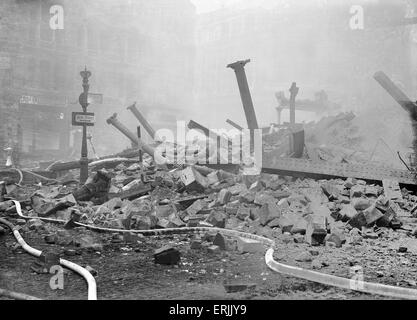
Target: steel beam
(272, 163)
(132, 137)
(394, 91)
(293, 93)
(234, 125)
(239, 68)
(145, 124)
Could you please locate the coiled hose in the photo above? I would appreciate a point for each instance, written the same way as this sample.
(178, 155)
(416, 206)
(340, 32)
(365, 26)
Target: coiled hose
(326, 279)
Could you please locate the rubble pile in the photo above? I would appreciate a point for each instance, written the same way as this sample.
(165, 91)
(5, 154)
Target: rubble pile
(367, 138)
(144, 196)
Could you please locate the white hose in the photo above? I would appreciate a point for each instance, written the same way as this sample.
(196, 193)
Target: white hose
(326, 279)
(16, 295)
(91, 282)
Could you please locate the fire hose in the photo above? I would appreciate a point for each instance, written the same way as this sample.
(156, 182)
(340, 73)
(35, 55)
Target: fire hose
(91, 282)
(314, 276)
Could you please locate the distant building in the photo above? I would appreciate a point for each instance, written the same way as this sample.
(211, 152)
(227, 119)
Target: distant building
(311, 44)
(136, 50)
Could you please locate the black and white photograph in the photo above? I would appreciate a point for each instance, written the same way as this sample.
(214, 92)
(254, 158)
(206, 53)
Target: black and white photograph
(203, 157)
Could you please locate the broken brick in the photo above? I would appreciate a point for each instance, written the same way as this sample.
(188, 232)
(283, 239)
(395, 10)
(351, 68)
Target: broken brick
(224, 196)
(257, 186)
(243, 213)
(337, 238)
(358, 221)
(247, 197)
(304, 257)
(347, 212)
(238, 287)
(217, 219)
(245, 245)
(213, 249)
(287, 221)
(167, 255)
(361, 203)
(196, 244)
(357, 191)
(220, 241)
(193, 180)
(268, 212)
(372, 214)
(316, 229)
(300, 226)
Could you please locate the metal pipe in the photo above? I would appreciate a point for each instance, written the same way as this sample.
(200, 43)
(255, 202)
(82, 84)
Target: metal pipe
(394, 91)
(293, 93)
(239, 68)
(142, 120)
(234, 124)
(132, 137)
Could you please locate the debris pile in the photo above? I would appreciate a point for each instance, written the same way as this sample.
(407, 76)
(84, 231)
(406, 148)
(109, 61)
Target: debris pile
(144, 196)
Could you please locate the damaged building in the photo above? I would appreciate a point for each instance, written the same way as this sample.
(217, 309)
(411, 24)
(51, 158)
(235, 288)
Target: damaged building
(159, 150)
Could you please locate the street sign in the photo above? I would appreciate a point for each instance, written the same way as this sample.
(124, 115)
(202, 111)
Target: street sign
(95, 98)
(83, 119)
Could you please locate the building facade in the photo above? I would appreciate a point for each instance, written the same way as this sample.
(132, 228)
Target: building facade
(312, 44)
(136, 50)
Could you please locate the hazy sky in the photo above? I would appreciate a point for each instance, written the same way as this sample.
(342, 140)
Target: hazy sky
(209, 5)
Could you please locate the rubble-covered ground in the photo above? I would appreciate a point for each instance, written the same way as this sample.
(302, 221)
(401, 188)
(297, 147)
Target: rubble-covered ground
(338, 227)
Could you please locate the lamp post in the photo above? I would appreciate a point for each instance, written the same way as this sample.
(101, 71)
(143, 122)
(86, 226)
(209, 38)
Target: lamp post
(83, 99)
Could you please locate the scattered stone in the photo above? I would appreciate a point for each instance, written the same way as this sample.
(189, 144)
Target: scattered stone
(35, 224)
(314, 252)
(304, 257)
(287, 221)
(224, 196)
(256, 186)
(196, 244)
(358, 221)
(361, 203)
(213, 249)
(238, 287)
(247, 197)
(372, 215)
(249, 245)
(337, 238)
(349, 183)
(347, 212)
(300, 226)
(316, 230)
(357, 191)
(268, 212)
(217, 219)
(193, 180)
(167, 255)
(299, 238)
(50, 239)
(70, 252)
(243, 213)
(316, 264)
(92, 271)
(220, 241)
